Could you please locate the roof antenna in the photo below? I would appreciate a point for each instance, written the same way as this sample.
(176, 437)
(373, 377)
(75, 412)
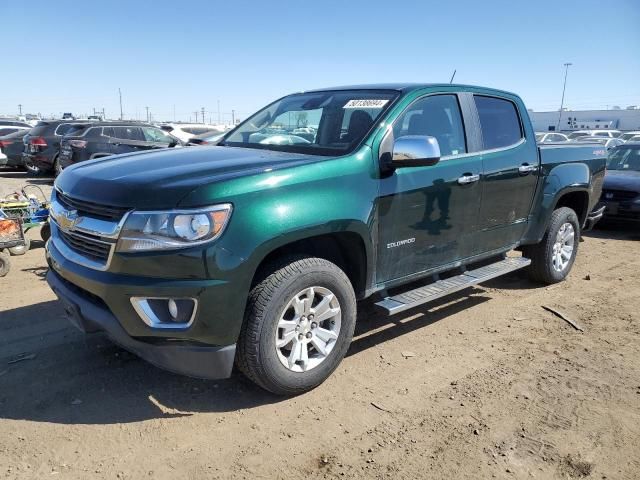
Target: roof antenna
(453, 76)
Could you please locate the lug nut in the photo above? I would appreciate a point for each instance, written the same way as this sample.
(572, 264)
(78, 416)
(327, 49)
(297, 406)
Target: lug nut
(303, 318)
(311, 317)
(298, 328)
(314, 325)
(308, 334)
(300, 337)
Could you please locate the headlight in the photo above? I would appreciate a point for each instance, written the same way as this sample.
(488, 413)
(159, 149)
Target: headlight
(148, 231)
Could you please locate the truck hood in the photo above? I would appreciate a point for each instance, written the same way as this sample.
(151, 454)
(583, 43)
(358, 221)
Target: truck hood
(622, 180)
(160, 179)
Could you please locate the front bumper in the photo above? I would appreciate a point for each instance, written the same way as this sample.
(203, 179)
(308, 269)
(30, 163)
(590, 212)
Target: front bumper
(89, 314)
(625, 211)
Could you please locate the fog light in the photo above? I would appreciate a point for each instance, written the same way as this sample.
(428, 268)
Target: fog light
(165, 312)
(173, 308)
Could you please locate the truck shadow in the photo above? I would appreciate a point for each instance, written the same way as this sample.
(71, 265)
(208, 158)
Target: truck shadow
(50, 372)
(615, 231)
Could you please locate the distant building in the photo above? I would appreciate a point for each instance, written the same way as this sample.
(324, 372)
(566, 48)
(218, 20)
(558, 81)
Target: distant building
(628, 119)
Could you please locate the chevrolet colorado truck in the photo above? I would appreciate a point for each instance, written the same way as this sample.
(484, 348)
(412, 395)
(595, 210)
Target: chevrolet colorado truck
(255, 251)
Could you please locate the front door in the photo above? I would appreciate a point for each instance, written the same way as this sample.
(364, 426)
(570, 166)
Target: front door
(427, 215)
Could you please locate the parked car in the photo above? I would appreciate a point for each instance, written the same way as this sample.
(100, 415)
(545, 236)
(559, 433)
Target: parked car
(594, 133)
(551, 137)
(12, 146)
(6, 130)
(42, 144)
(626, 136)
(621, 189)
(68, 116)
(104, 139)
(208, 138)
(606, 141)
(13, 123)
(186, 131)
(634, 139)
(257, 251)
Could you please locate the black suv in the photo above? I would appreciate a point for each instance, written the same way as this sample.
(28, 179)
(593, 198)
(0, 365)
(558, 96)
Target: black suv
(42, 143)
(103, 139)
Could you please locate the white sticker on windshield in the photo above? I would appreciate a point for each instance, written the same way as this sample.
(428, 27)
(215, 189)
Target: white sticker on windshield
(366, 103)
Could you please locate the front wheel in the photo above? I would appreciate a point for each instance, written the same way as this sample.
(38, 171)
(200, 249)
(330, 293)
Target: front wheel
(553, 257)
(298, 326)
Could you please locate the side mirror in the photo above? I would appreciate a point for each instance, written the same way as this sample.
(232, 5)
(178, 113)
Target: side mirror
(415, 151)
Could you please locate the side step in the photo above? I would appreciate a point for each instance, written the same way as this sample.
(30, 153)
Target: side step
(413, 298)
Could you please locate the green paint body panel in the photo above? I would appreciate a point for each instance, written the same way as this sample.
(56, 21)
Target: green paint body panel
(279, 198)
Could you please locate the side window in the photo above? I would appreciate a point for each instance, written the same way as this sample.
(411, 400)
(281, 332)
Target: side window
(63, 129)
(128, 133)
(499, 121)
(435, 116)
(108, 132)
(94, 132)
(156, 135)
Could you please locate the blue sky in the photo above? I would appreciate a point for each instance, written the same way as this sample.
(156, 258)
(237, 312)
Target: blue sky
(60, 56)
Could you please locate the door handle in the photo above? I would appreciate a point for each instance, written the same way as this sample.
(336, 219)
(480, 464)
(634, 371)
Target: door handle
(468, 178)
(526, 168)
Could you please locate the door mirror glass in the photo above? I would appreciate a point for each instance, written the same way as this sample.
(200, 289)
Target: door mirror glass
(415, 151)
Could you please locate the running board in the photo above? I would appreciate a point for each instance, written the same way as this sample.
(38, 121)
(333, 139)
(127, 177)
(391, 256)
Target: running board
(433, 291)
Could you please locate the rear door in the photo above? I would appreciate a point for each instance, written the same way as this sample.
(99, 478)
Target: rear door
(427, 214)
(510, 166)
(127, 139)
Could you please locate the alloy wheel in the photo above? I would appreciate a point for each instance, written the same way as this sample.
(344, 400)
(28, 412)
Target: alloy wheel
(308, 329)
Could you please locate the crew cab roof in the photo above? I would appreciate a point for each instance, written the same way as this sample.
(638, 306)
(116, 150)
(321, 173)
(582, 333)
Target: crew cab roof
(407, 87)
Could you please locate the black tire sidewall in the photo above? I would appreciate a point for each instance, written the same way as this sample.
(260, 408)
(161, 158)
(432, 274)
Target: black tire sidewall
(276, 374)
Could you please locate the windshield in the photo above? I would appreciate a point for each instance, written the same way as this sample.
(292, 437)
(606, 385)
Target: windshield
(539, 136)
(317, 123)
(624, 159)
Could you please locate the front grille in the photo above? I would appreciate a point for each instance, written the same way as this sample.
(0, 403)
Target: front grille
(618, 195)
(87, 245)
(91, 209)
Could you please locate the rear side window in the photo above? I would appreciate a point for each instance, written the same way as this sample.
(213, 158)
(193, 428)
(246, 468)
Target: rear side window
(128, 133)
(499, 121)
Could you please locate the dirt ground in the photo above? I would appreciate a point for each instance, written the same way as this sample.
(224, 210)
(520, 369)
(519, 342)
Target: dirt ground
(483, 384)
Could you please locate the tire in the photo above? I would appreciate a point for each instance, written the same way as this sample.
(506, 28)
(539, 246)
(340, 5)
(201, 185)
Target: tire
(20, 249)
(546, 266)
(45, 232)
(5, 263)
(269, 307)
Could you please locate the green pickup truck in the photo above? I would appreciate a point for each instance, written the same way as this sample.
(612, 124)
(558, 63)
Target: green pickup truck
(256, 251)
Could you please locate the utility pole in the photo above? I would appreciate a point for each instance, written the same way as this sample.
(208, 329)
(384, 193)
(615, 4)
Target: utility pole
(564, 87)
(196, 114)
(219, 120)
(203, 115)
(120, 95)
(147, 114)
(233, 117)
(20, 108)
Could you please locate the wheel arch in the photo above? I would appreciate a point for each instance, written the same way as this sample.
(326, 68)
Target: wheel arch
(349, 248)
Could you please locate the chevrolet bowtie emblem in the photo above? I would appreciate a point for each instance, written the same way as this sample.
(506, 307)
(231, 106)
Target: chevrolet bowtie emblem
(68, 219)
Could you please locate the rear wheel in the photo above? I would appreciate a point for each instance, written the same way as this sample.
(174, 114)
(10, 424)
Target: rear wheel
(553, 257)
(298, 325)
(5, 263)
